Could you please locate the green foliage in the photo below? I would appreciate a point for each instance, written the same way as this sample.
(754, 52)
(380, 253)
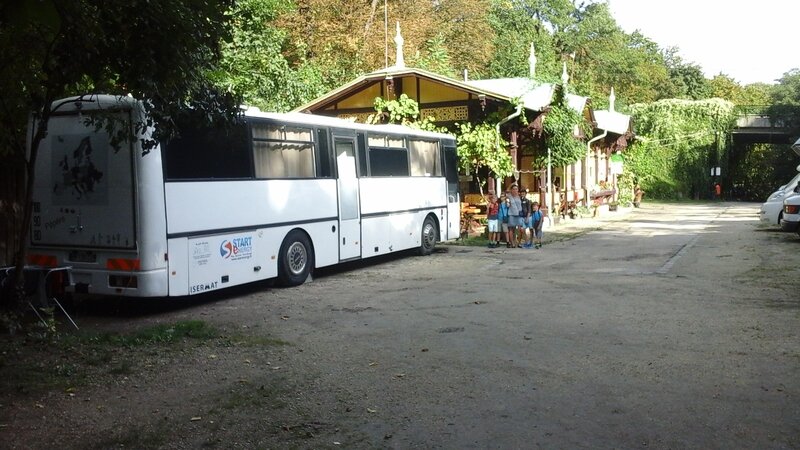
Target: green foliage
(254, 66)
(678, 140)
(157, 334)
(687, 79)
(435, 57)
(516, 25)
(763, 168)
(786, 99)
(481, 146)
(402, 111)
(560, 124)
(725, 87)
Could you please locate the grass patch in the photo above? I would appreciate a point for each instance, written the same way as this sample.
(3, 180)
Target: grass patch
(158, 334)
(32, 364)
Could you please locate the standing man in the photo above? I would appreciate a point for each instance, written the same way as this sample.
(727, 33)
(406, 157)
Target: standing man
(514, 216)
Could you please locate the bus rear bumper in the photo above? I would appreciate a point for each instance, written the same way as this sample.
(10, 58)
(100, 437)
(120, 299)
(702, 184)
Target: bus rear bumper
(151, 283)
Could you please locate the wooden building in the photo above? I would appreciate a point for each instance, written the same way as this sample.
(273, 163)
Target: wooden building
(450, 101)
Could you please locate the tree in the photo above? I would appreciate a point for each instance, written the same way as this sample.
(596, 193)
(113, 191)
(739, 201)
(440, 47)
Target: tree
(786, 99)
(328, 33)
(160, 51)
(480, 146)
(687, 78)
(254, 66)
(517, 25)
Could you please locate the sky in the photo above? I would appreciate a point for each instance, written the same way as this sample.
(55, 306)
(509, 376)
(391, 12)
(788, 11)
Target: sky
(750, 41)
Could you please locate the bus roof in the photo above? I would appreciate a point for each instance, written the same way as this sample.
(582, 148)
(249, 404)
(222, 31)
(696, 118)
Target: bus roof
(97, 101)
(312, 119)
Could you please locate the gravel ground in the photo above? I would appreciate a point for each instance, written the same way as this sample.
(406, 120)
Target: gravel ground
(671, 326)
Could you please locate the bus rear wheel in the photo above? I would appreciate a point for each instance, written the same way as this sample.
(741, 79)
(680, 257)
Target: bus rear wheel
(296, 259)
(428, 236)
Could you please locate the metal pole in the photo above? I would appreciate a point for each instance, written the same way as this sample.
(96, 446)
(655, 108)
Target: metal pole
(385, 35)
(549, 179)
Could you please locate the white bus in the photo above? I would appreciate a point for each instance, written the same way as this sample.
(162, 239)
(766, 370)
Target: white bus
(274, 197)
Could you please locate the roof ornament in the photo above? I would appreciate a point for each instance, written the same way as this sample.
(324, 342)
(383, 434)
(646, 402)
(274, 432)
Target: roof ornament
(564, 75)
(532, 61)
(398, 41)
(611, 99)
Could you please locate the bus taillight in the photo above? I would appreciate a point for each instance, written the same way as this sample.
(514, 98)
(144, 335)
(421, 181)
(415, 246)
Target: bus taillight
(42, 260)
(123, 264)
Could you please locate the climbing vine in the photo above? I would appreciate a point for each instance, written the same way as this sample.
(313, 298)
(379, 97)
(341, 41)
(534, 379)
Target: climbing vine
(561, 126)
(403, 111)
(677, 142)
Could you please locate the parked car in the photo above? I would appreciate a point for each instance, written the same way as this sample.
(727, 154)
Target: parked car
(772, 209)
(791, 212)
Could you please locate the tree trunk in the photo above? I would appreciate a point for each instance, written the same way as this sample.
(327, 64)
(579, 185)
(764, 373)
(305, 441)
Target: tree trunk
(24, 231)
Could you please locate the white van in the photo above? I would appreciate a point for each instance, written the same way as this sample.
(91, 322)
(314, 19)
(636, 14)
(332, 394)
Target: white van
(772, 210)
(790, 216)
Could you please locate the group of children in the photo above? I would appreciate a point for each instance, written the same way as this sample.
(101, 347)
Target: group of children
(514, 217)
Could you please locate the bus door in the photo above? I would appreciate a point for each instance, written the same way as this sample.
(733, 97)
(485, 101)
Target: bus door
(347, 185)
(453, 197)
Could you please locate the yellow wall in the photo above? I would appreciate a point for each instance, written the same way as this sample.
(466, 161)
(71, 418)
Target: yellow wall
(431, 92)
(361, 99)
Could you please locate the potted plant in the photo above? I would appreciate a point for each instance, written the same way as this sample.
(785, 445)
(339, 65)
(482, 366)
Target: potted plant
(612, 206)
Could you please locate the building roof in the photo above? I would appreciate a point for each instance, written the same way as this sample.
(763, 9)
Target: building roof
(395, 71)
(535, 96)
(612, 121)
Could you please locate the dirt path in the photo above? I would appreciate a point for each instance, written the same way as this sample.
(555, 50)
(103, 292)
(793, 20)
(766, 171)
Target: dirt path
(676, 327)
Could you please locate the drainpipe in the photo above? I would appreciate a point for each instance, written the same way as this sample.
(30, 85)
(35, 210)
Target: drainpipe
(497, 128)
(589, 149)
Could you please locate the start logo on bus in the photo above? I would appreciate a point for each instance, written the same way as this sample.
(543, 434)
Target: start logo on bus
(236, 248)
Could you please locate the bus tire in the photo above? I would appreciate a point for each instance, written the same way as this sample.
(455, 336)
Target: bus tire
(428, 236)
(296, 259)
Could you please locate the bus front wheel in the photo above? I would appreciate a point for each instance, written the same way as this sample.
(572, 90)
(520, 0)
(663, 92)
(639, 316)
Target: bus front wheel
(428, 236)
(296, 260)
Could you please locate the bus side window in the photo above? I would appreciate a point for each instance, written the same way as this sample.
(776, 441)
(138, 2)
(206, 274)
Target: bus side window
(388, 156)
(451, 167)
(425, 159)
(363, 167)
(324, 166)
(208, 153)
(282, 151)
